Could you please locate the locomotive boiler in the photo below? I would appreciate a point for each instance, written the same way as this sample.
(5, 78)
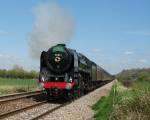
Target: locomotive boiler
(69, 74)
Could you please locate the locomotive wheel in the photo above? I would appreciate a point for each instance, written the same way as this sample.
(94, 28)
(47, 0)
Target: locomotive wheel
(48, 95)
(75, 92)
(80, 92)
(82, 89)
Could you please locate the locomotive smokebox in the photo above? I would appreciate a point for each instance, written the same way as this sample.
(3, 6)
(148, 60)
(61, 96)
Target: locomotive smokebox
(59, 59)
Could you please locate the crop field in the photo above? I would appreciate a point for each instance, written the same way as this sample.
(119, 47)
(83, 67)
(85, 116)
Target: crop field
(11, 85)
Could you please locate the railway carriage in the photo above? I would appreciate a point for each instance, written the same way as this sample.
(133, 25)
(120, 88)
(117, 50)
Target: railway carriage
(67, 73)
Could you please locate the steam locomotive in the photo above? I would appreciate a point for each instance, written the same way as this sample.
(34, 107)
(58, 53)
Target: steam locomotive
(67, 73)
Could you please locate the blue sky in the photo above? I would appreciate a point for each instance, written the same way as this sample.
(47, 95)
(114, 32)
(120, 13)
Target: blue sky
(114, 34)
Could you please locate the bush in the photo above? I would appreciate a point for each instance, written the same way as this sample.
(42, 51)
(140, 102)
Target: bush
(134, 103)
(127, 83)
(134, 74)
(125, 103)
(18, 72)
(134, 109)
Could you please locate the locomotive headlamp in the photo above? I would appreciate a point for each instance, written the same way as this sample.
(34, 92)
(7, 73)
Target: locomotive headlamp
(68, 86)
(70, 80)
(66, 77)
(56, 78)
(44, 75)
(43, 78)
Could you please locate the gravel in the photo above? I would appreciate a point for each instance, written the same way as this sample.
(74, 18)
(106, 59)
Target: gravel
(31, 113)
(20, 103)
(14, 105)
(80, 109)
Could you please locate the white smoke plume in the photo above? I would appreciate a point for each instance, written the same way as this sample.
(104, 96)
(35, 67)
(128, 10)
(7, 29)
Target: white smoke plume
(53, 25)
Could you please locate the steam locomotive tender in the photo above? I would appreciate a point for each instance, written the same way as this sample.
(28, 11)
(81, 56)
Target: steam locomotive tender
(67, 73)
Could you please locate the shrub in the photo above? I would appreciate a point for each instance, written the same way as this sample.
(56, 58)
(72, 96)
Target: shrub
(125, 103)
(133, 109)
(17, 72)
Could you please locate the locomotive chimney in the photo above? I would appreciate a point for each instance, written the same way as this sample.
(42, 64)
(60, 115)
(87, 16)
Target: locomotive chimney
(62, 45)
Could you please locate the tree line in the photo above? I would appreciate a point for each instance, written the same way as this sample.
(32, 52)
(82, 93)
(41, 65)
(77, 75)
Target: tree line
(18, 72)
(134, 74)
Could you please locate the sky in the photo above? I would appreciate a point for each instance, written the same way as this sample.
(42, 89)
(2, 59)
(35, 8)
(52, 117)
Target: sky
(114, 34)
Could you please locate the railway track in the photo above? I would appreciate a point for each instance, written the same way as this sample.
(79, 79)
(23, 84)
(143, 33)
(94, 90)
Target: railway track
(13, 97)
(9, 103)
(10, 113)
(58, 107)
(49, 111)
(35, 115)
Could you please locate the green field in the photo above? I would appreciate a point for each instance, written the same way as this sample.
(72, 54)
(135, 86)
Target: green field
(125, 103)
(8, 85)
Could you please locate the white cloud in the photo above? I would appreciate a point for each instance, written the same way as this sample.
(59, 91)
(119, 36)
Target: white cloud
(3, 56)
(123, 61)
(142, 60)
(5, 33)
(96, 50)
(9, 61)
(2, 32)
(128, 52)
(144, 33)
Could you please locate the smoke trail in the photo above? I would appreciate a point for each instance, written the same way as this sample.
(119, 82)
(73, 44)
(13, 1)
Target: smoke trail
(53, 25)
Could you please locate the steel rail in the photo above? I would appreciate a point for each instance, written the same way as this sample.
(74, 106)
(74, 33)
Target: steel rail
(7, 114)
(18, 96)
(62, 105)
(50, 111)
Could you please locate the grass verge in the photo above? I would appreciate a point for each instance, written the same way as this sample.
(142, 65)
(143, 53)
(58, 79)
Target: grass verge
(8, 85)
(124, 104)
